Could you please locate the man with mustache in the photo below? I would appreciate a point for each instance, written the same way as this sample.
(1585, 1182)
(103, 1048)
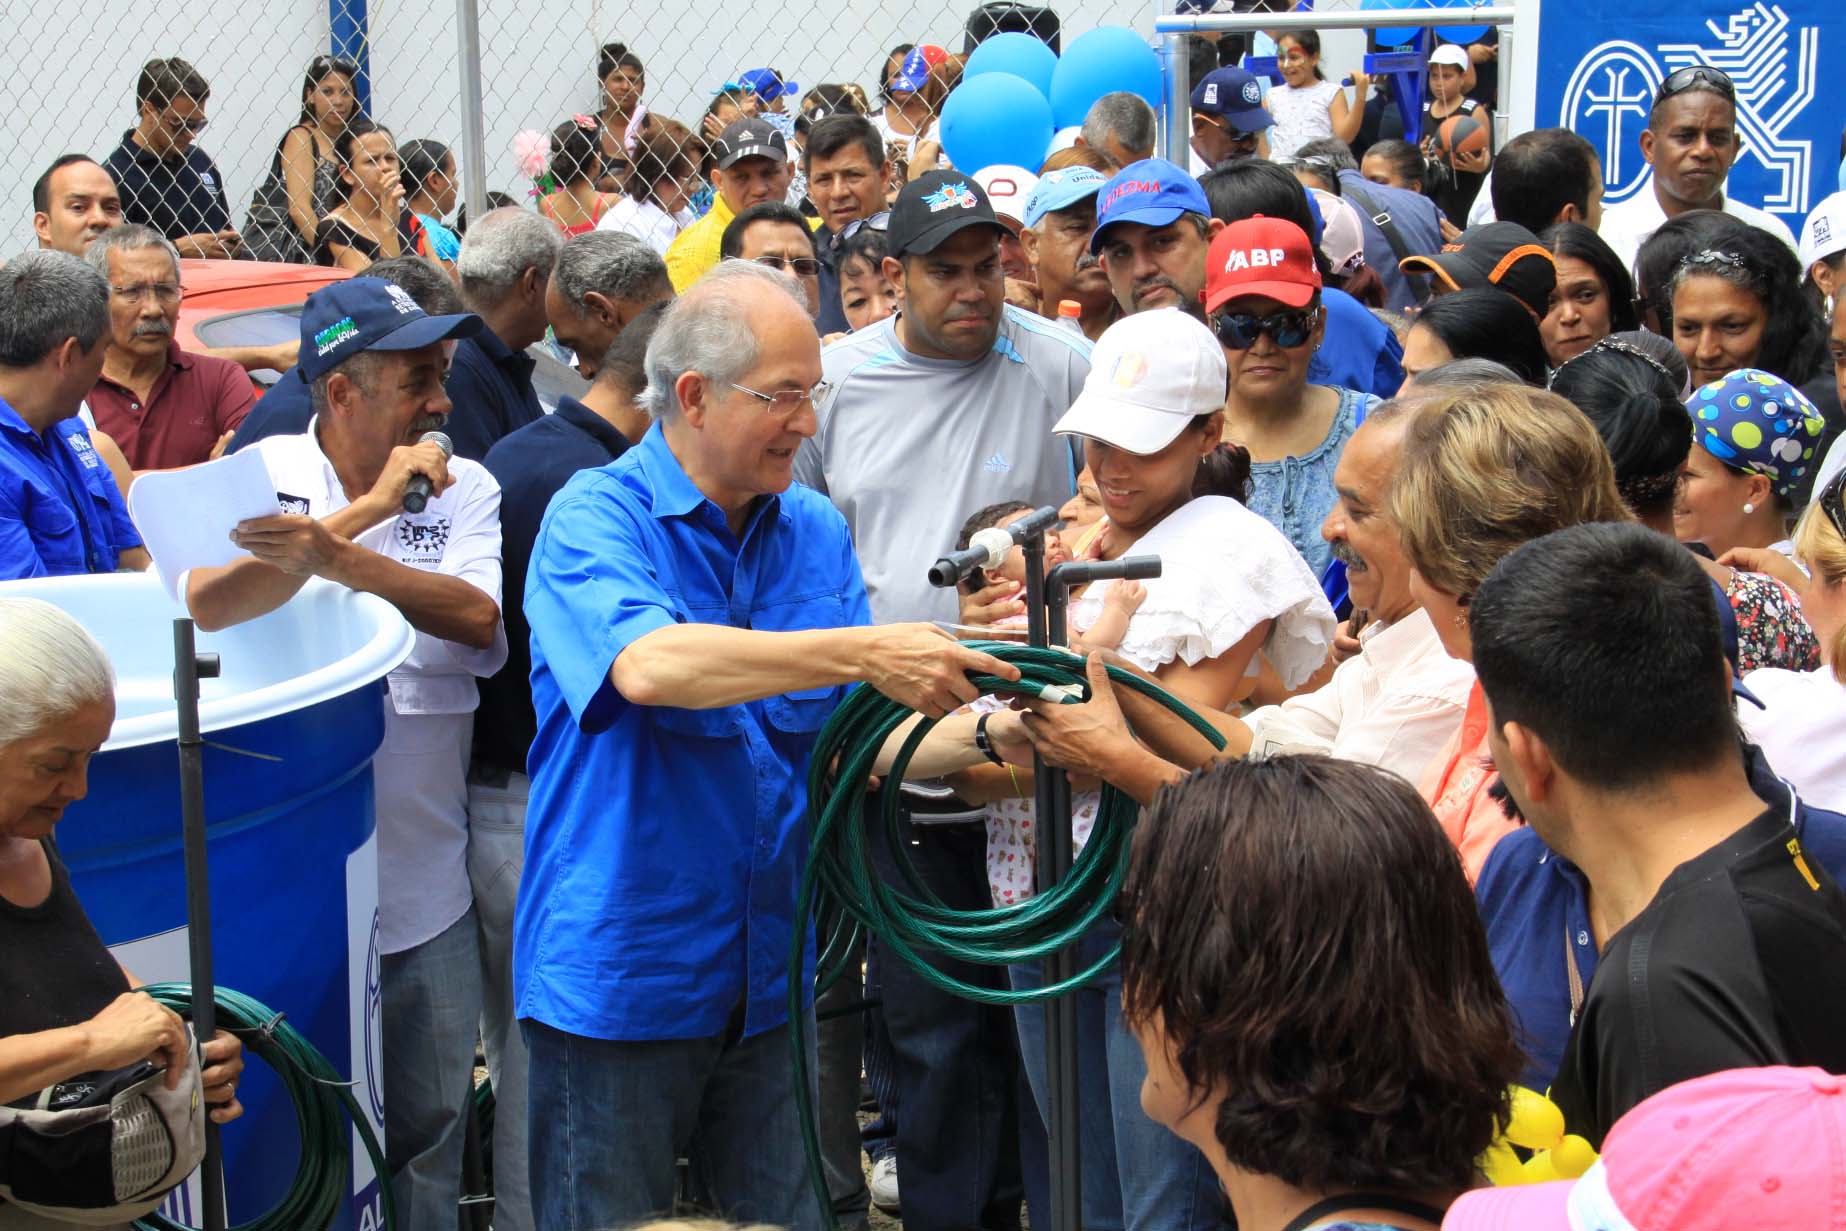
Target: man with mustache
(944, 408)
(1393, 704)
(374, 364)
(164, 406)
(1060, 214)
(1153, 225)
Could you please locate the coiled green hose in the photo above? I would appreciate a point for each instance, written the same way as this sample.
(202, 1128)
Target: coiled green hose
(842, 882)
(324, 1108)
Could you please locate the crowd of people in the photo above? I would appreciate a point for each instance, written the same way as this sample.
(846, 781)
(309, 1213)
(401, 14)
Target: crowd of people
(1503, 543)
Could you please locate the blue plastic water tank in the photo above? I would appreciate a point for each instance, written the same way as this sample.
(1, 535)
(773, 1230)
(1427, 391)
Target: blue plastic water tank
(291, 726)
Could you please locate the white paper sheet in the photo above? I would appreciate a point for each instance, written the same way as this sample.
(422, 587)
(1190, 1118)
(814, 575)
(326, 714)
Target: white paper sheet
(185, 516)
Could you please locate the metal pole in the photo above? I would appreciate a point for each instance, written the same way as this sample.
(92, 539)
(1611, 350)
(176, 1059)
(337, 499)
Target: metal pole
(1178, 103)
(1333, 19)
(189, 667)
(1051, 799)
(474, 114)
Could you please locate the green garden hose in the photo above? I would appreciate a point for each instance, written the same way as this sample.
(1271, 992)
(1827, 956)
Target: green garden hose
(325, 1114)
(842, 884)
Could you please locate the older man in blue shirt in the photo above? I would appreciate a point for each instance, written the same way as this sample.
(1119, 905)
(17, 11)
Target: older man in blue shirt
(695, 620)
(60, 510)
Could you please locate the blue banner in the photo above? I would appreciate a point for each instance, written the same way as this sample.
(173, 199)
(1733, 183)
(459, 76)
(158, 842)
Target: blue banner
(1600, 64)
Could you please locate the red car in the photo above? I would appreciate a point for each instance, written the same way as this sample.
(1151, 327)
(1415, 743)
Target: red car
(258, 303)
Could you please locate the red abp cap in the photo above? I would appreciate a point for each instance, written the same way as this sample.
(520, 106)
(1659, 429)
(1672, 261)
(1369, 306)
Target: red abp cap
(1270, 257)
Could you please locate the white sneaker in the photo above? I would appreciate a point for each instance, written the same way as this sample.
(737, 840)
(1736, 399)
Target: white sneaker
(884, 1184)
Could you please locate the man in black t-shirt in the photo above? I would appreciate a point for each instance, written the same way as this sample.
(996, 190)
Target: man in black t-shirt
(1612, 727)
(166, 181)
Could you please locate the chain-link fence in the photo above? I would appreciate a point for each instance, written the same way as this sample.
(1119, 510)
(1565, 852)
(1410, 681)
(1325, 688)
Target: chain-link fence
(68, 72)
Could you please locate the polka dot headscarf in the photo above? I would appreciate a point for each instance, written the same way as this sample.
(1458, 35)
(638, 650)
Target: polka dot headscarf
(1754, 421)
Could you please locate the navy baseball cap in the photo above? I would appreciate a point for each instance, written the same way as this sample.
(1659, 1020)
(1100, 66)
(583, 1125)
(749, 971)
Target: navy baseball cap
(362, 314)
(766, 84)
(935, 206)
(1235, 96)
(1152, 192)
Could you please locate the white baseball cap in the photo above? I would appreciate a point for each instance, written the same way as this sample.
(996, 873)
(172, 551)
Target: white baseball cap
(1450, 54)
(1151, 374)
(1342, 233)
(1007, 189)
(1824, 233)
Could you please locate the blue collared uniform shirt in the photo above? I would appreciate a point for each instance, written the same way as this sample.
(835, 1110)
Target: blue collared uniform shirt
(490, 385)
(285, 409)
(60, 510)
(664, 847)
(1536, 907)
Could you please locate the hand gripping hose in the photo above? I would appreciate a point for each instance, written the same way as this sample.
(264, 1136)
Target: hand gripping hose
(842, 886)
(325, 1115)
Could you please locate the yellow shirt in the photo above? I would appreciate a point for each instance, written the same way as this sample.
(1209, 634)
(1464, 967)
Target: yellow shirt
(695, 250)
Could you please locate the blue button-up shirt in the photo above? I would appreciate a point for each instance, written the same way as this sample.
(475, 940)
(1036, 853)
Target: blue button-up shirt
(60, 510)
(664, 847)
(1536, 908)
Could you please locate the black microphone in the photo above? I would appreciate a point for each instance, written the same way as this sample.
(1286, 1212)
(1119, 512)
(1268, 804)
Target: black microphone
(418, 491)
(988, 547)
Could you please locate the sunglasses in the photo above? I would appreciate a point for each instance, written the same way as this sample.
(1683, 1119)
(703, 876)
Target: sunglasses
(881, 221)
(1696, 75)
(800, 266)
(1239, 330)
(1832, 502)
(1236, 136)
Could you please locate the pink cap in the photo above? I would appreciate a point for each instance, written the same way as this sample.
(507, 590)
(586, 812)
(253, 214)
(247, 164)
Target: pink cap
(1763, 1149)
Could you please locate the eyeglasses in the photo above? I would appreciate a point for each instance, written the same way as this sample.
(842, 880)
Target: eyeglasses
(785, 402)
(194, 126)
(1832, 502)
(800, 266)
(881, 221)
(1239, 330)
(166, 294)
(1694, 75)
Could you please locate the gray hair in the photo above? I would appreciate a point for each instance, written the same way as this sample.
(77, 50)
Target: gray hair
(129, 237)
(46, 297)
(1465, 374)
(1330, 151)
(1121, 115)
(707, 330)
(610, 263)
(502, 246)
(49, 666)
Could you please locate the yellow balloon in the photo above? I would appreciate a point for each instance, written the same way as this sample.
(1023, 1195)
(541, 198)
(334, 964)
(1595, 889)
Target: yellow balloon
(1539, 1170)
(1573, 1156)
(1500, 1165)
(1536, 1122)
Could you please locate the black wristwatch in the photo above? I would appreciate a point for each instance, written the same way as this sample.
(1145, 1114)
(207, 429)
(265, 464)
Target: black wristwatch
(985, 743)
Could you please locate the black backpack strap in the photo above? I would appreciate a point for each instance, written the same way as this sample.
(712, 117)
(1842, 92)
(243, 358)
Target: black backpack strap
(1381, 218)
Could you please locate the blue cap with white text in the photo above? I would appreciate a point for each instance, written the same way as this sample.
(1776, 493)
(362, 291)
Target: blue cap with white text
(1058, 190)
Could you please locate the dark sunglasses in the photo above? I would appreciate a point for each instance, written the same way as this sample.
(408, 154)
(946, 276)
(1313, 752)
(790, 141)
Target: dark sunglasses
(881, 221)
(1696, 75)
(1236, 136)
(801, 266)
(1832, 502)
(1239, 330)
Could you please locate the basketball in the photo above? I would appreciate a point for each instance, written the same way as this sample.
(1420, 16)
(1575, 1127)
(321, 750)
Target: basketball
(1459, 134)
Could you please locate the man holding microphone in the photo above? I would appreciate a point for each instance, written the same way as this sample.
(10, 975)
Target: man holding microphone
(374, 363)
(696, 618)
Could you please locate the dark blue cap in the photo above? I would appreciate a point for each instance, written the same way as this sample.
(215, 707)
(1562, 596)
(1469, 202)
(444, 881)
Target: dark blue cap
(361, 314)
(1152, 192)
(1233, 95)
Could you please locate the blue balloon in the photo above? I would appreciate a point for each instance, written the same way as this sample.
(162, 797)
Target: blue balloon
(1099, 62)
(1397, 36)
(1019, 54)
(995, 118)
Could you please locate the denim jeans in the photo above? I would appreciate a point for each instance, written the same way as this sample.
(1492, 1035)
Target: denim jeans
(431, 997)
(955, 1061)
(609, 1121)
(841, 1048)
(1136, 1174)
(496, 853)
